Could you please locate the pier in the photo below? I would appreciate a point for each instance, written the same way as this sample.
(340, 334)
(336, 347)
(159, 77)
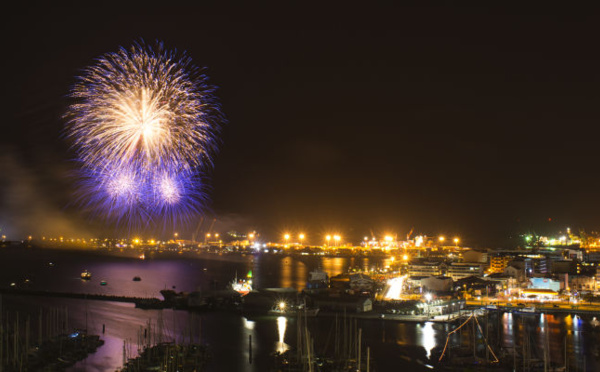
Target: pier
(148, 302)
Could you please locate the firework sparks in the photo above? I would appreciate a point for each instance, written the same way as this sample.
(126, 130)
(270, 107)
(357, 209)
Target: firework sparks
(144, 128)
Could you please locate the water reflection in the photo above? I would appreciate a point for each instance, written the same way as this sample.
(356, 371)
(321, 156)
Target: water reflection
(286, 272)
(427, 337)
(281, 327)
(300, 275)
(334, 265)
(249, 324)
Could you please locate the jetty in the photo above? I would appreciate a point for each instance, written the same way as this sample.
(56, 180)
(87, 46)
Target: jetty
(141, 302)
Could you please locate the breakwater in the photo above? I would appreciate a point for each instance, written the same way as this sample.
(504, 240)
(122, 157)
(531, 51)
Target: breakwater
(138, 301)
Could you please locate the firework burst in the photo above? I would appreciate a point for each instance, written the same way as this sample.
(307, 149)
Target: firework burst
(143, 126)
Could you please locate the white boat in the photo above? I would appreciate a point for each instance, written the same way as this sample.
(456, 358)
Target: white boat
(242, 286)
(86, 275)
(317, 279)
(527, 310)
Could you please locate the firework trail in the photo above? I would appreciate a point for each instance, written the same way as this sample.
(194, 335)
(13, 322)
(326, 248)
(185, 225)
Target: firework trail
(144, 127)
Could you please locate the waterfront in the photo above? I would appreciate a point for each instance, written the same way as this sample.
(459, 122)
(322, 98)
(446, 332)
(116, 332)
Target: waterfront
(392, 343)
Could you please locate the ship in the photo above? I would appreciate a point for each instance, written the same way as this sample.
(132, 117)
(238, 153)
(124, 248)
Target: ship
(86, 275)
(317, 279)
(242, 286)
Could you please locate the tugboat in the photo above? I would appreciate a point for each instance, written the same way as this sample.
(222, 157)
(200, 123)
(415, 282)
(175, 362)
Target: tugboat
(136, 278)
(86, 275)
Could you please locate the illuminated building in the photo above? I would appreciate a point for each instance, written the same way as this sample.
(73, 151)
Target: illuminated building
(459, 270)
(499, 263)
(426, 269)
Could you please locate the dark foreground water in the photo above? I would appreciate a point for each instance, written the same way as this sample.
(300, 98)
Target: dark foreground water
(394, 345)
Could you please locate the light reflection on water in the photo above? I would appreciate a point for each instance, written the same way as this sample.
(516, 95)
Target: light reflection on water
(427, 334)
(281, 327)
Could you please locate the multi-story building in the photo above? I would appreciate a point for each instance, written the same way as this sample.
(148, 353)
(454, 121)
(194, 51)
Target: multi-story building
(459, 270)
(427, 269)
(516, 272)
(499, 263)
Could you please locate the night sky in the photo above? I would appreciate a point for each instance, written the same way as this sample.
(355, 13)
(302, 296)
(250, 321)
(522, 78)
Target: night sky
(474, 121)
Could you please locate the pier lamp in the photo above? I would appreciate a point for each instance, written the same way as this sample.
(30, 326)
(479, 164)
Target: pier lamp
(456, 240)
(441, 239)
(327, 239)
(301, 237)
(286, 237)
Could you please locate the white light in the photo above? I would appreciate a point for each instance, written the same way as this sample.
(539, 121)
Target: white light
(394, 291)
(428, 337)
(281, 327)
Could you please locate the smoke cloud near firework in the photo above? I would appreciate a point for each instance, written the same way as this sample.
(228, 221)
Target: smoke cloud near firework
(144, 126)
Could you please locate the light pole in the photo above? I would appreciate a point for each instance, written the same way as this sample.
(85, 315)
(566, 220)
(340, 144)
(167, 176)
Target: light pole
(301, 237)
(327, 239)
(286, 237)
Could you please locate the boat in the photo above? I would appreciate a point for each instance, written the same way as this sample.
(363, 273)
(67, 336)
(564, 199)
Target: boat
(86, 275)
(103, 282)
(136, 278)
(527, 310)
(242, 286)
(317, 279)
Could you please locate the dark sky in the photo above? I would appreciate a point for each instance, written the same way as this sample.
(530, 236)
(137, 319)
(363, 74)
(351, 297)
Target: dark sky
(474, 121)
